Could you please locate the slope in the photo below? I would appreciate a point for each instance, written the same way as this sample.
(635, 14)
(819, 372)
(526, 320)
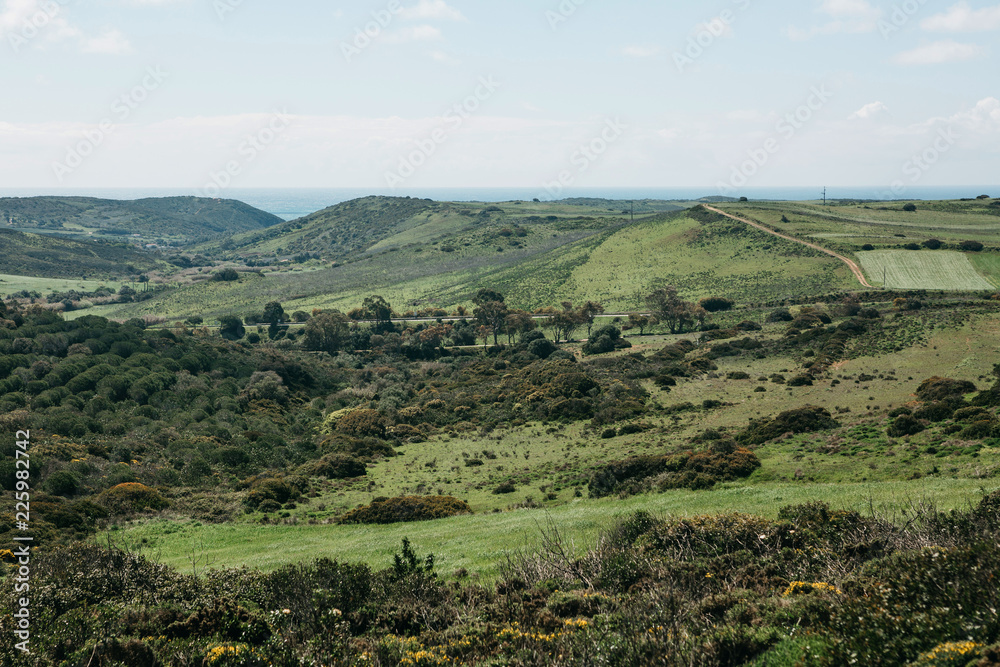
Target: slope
(174, 219)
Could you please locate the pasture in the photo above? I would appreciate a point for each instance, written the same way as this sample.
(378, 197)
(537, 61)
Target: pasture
(925, 269)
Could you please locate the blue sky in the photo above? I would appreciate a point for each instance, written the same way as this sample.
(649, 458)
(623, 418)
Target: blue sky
(206, 94)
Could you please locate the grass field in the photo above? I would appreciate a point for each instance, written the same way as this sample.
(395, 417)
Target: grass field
(853, 467)
(10, 284)
(480, 542)
(932, 270)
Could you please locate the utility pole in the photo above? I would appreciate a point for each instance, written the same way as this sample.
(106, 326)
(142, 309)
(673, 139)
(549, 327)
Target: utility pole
(633, 210)
(824, 195)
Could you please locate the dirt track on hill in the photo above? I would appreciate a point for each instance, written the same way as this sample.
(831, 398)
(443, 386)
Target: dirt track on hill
(851, 264)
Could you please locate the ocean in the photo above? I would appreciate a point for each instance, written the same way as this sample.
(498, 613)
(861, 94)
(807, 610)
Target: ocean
(291, 203)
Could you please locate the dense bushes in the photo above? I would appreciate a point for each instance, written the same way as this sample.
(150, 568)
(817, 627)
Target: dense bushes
(690, 470)
(130, 498)
(407, 508)
(806, 419)
(817, 586)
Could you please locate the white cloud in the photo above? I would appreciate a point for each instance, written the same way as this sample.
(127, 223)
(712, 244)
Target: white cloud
(110, 42)
(872, 110)
(849, 16)
(962, 18)
(637, 51)
(23, 21)
(937, 53)
(420, 33)
(432, 10)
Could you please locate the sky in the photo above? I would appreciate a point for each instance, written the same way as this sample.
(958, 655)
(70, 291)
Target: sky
(553, 94)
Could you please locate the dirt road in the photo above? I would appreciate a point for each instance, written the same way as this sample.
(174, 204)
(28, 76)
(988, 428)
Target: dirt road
(851, 264)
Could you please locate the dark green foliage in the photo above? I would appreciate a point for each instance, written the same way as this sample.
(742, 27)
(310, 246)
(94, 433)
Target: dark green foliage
(970, 246)
(904, 425)
(909, 207)
(944, 389)
(688, 470)
(335, 466)
(801, 380)
(541, 348)
(226, 275)
(932, 244)
(407, 508)
(62, 483)
(780, 315)
(277, 490)
(605, 339)
(716, 304)
(231, 327)
(807, 419)
(937, 411)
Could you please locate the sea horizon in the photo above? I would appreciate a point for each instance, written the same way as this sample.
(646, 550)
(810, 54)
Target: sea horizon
(292, 203)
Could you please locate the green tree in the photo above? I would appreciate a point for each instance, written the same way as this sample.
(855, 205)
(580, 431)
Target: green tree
(273, 313)
(377, 310)
(491, 311)
(589, 312)
(669, 309)
(327, 332)
(231, 327)
(638, 321)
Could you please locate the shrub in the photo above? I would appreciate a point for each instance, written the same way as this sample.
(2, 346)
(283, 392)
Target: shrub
(62, 483)
(937, 411)
(129, 498)
(779, 315)
(806, 419)
(273, 489)
(971, 246)
(801, 380)
(406, 508)
(716, 304)
(362, 423)
(932, 244)
(942, 389)
(335, 466)
(686, 470)
(506, 487)
(542, 348)
(910, 207)
(904, 425)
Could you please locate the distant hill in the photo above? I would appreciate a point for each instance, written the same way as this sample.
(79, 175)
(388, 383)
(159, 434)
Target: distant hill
(373, 224)
(178, 220)
(52, 257)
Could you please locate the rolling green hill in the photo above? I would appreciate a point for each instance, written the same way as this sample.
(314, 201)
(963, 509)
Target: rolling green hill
(50, 257)
(537, 254)
(171, 219)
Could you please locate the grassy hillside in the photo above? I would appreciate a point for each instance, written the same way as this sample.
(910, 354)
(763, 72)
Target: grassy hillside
(440, 257)
(176, 220)
(50, 257)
